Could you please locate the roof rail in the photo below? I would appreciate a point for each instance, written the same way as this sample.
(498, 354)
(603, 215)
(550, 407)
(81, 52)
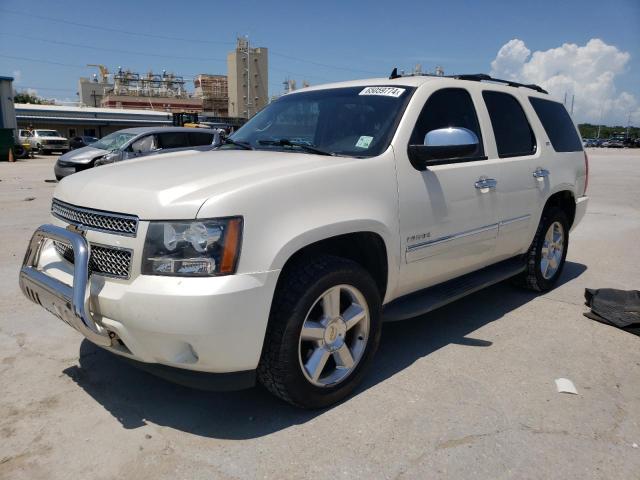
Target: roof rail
(475, 77)
(479, 77)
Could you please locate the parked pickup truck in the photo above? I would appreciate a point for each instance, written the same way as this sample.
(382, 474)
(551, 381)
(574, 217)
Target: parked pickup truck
(276, 256)
(46, 141)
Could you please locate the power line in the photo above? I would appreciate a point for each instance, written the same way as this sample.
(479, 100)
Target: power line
(43, 61)
(181, 39)
(110, 29)
(146, 54)
(324, 64)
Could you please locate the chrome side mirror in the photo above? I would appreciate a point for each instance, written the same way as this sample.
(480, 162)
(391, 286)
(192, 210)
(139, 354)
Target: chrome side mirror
(443, 145)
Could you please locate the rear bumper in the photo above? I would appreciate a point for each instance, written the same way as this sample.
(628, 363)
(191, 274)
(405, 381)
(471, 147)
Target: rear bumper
(213, 325)
(581, 209)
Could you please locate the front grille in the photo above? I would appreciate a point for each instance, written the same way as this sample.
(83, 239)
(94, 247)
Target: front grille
(117, 223)
(104, 260)
(54, 142)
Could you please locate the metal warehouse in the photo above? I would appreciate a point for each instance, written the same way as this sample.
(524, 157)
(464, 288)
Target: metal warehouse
(90, 121)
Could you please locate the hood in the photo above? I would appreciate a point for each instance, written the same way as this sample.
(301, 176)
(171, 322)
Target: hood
(83, 155)
(174, 186)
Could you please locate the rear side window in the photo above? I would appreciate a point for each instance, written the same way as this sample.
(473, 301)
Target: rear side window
(558, 125)
(511, 128)
(449, 107)
(172, 140)
(200, 138)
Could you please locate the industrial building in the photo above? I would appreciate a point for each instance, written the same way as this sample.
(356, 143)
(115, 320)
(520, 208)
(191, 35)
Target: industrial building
(150, 91)
(214, 92)
(90, 121)
(248, 77)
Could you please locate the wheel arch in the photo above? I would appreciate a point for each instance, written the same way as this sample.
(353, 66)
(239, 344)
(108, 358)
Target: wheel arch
(364, 247)
(564, 199)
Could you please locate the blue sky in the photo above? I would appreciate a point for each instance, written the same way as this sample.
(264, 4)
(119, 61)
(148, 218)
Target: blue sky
(319, 41)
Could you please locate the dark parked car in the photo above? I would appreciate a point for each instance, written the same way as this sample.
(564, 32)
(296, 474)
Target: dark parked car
(81, 141)
(133, 143)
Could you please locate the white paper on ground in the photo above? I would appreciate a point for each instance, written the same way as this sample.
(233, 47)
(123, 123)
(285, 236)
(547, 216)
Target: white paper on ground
(564, 385)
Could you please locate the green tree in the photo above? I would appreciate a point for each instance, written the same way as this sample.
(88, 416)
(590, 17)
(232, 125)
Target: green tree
(26, 97)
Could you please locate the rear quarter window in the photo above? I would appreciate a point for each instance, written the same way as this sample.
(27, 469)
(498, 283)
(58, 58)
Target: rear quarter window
(200, 138)
(558, 124)
(172, 140)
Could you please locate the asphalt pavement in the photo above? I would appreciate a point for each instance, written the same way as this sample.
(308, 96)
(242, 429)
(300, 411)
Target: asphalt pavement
(465, 392)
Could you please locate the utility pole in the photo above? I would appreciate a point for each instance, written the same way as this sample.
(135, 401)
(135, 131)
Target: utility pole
(599, 123)
(248, 69)
(573, 97)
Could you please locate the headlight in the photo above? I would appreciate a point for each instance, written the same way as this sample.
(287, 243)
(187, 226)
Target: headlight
(105, 159)
(198, 248)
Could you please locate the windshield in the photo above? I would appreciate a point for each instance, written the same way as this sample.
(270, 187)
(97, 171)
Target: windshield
(355, 121)
(113, 141)
(47, 133)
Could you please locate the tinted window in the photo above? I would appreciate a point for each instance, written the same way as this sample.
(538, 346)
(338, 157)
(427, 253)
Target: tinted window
(511, 128)
(449, 107)
(172, 140)
(353, 121)
(558, 125)
(200, 138)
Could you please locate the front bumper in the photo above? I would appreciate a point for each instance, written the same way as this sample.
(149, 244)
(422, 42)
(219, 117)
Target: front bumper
(213, 324)
(63, 171)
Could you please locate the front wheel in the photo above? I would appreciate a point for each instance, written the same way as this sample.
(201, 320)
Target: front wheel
(548, 251)
(323, 331)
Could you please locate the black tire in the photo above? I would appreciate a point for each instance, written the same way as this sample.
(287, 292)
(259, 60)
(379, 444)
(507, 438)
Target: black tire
(533, 278)
(303, 283)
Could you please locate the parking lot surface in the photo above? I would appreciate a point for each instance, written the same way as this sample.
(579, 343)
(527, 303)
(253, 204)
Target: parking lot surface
(465, 392)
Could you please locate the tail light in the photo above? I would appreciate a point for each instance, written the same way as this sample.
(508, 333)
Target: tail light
(586, 173)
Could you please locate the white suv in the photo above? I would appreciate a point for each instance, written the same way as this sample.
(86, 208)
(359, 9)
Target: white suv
(278, 255)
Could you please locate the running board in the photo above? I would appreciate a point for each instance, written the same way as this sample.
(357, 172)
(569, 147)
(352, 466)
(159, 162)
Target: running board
(424, 301)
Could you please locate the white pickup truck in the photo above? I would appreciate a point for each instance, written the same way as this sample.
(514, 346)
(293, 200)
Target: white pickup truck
(277, 255)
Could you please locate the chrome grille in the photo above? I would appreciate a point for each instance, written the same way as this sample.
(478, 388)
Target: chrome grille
(104, 260)
(117, 223)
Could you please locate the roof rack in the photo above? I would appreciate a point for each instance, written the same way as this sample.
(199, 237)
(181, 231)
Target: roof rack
(476, 77)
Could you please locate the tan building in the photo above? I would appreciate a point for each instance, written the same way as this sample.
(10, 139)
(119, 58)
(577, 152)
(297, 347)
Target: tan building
(248, 76)
(214, 92)
(91, 91)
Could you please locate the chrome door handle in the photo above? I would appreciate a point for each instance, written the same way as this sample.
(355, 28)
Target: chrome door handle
(541, 174)
(486, 184)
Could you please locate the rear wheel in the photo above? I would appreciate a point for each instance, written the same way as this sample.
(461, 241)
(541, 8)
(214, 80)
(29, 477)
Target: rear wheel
(323, 331)
(548, 251)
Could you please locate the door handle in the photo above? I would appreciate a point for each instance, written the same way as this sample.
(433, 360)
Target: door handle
(540, 174)
(485, 184)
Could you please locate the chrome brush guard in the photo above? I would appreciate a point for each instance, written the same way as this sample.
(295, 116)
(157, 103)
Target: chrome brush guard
(70, 304)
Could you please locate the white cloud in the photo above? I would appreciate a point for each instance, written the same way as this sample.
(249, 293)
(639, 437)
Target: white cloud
(588, 71)
(17, 76)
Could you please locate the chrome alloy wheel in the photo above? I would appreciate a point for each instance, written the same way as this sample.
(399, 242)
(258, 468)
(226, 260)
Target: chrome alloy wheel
(552, 250)
(334, 336)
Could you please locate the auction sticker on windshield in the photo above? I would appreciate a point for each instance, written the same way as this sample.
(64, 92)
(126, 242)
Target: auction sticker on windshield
(383, 91)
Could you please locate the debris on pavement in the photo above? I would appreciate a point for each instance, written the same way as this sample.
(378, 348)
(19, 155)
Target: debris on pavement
(619, 308)
(564, 385)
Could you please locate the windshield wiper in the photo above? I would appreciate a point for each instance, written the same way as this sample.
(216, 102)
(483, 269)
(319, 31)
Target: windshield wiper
(284, 142)
(230, 141)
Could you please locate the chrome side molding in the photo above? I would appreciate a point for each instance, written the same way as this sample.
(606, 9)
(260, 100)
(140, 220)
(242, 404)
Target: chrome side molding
(69, 303)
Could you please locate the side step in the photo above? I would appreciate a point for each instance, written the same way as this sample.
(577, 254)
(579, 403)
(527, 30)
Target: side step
(424, 301)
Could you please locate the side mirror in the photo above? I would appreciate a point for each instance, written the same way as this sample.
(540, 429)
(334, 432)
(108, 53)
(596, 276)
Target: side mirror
(443, 145)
